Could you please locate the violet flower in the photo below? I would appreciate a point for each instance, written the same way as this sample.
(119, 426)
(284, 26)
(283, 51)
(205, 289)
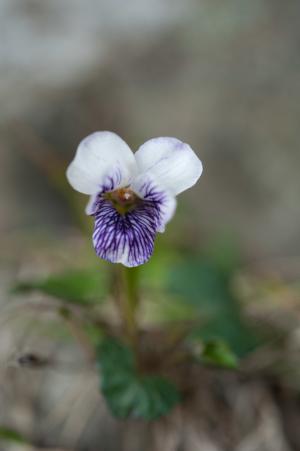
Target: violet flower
(133, 195)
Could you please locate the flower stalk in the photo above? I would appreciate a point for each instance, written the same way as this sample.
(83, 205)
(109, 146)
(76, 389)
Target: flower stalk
(127, 301)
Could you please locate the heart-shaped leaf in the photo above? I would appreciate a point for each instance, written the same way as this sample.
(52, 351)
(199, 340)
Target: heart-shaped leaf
(128, 393)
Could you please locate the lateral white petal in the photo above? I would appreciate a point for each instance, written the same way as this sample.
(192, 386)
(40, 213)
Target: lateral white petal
(97, 156)
(163, 201)
(91, 206)
(173, 163)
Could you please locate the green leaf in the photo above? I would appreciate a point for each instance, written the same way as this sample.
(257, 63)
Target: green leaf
(76, 286)
(128, 393)
(219, 353)
(11, 435)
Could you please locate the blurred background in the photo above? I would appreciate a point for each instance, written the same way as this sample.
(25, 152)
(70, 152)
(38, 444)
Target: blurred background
(221, 76)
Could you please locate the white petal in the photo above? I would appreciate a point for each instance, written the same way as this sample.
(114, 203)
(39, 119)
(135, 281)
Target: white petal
(173, 163)
(91, 206)
(147, 188)
(99, 155)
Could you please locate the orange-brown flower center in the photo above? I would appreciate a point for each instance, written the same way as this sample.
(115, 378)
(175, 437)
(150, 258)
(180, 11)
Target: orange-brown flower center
(123, 199)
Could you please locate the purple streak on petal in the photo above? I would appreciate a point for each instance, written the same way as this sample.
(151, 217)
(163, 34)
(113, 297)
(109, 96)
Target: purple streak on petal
(147, 189)
(112, 181)
(128, 238)
(151, 193)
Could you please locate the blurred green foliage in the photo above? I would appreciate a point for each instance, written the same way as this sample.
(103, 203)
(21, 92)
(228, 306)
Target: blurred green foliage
(218, 353)
(83, 287)
(190, 291)
(206, 285)
(10, 435)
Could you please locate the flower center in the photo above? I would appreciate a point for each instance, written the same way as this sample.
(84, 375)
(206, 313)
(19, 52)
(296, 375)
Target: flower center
(123, 200)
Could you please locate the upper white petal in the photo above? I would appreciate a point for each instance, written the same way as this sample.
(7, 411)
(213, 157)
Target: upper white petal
(97, 156)
(173, 163)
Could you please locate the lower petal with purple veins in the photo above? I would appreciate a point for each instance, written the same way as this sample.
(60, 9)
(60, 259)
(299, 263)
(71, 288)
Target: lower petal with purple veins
(126, 235)
(127, 239)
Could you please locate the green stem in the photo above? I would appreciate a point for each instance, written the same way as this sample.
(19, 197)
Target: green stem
(125, 289)
(128, 302)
